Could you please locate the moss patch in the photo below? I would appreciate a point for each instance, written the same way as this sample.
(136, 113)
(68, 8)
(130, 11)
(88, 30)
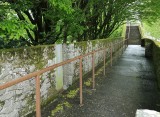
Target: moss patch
(2, 103)
(60, 108)
(88, 83)
(72, 93)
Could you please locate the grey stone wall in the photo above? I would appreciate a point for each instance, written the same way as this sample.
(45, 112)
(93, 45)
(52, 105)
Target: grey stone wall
(148, 50)
(156, 60)
(71, 70)
(19, 100)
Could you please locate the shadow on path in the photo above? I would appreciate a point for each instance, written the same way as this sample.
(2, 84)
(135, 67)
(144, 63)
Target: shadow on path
(130, 85)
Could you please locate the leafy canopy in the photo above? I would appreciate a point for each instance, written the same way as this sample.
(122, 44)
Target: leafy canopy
(28, 23)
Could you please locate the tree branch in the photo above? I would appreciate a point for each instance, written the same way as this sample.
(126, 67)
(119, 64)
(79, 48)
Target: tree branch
(30, 17)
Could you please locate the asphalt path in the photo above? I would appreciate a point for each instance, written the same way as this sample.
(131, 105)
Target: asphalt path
(130, 85)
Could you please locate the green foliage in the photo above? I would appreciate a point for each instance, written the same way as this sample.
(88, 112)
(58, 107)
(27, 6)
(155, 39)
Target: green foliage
(63, 5)
(14, 29)
(152, 29)
(150, 11)
(47, 22)
(118, 32)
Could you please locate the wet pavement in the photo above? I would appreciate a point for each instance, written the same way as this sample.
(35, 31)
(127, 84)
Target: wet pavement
(130, 85)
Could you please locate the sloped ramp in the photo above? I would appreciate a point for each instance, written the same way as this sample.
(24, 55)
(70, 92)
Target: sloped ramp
(130, 85)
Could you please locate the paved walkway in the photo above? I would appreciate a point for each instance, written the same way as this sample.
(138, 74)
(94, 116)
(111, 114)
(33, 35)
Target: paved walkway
(130, 85)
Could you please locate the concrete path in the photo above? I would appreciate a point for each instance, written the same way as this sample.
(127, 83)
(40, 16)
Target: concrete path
(130, 85)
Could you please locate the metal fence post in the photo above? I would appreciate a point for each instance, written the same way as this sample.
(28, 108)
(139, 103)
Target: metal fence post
(111, 53)
(93, 71)
(80, 82)
(119, 51)
(104, 62)
(127, 42)
(38, 96)
(123, 45)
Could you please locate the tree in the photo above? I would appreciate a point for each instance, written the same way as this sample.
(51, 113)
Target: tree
(36, 14)
(150, 11)
(48, 21)
(103, 17)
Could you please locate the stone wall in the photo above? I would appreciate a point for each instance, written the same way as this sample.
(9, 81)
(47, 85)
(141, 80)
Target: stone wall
(156, 60)
(73, 50)
(19, 100)
(152, 51)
